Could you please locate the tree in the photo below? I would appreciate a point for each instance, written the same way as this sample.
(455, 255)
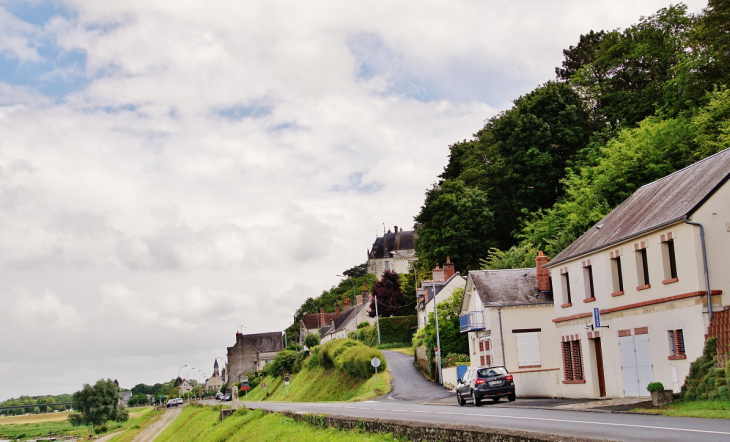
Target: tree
(311, 340)
(98, 404)
(452, 340)
(138, 399)
(142, 388)
(357, 271)
(387, 291)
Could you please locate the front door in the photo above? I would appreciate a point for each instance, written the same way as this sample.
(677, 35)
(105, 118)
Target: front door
(599, 365)
(636, 366)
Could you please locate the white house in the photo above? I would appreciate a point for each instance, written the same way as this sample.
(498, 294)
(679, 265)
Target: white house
(641, 269)
(508, 315)
(348, 321)
(445, 280)
(393, 251)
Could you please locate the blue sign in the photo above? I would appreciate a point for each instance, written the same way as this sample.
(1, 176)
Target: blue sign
(596, 318)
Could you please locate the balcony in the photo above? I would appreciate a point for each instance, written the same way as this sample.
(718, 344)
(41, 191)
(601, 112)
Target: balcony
(471, 321)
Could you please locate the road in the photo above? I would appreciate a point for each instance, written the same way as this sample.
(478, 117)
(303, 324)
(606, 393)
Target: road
(410, 390)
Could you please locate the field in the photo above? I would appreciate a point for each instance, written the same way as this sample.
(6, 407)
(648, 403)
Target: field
(202, 424)
(39, 425)
(319, 384)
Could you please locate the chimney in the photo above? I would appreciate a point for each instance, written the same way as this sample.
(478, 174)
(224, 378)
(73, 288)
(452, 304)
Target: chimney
(396, 229)
(358, 299)
(448, 269)
(425, 296)
(543, 274)
(346, 304)
(438, 274)
(337, 308)
(321, 318)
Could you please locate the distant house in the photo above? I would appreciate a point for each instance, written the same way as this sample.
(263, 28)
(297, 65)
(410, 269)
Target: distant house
(508, 316)
(214, 382)
(393, 251)
(316, 323)
(441, 287)
(251, 353)
(124, 397)
(351, 316)
(641, 271)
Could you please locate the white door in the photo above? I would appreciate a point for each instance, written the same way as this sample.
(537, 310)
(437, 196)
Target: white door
(643, 363)
(636, 366)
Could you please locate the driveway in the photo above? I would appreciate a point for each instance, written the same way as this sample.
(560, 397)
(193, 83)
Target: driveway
(408, 383)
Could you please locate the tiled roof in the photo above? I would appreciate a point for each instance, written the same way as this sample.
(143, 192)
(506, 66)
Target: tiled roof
(508, 287)
(661, 203)
(311, 320)
(392, 242)
(265, 342)
(347, 316)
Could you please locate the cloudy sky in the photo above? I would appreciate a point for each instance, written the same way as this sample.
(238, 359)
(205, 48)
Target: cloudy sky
(170, 171)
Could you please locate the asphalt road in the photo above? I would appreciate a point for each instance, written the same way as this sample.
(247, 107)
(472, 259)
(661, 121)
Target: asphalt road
(408, 383)
(611, 426)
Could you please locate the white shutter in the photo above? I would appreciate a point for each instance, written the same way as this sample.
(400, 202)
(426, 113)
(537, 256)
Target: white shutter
(528, 349)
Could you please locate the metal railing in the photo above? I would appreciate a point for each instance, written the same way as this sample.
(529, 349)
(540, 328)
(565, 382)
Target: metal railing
(471, 321)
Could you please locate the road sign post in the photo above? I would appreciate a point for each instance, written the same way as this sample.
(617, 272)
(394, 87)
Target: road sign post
(375, 362)
(286, 382)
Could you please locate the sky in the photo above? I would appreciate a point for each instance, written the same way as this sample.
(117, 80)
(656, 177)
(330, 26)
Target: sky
(173, 172)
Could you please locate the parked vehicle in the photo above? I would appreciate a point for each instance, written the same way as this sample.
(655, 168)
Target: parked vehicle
(179, 401)
(226, 397)
(485, 382)
(171, 403)
(218, 396)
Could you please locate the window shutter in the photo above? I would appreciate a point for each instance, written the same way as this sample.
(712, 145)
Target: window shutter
(528, 349)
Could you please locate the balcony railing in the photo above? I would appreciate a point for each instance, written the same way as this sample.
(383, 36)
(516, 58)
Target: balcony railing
(472, 321)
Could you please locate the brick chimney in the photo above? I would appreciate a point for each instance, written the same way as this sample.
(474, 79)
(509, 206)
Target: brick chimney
(425, 295)
(543, 274)
(448, 269)
(438, 274)
(321, 318)
(346, 304)
(337, 308)
(358, 299)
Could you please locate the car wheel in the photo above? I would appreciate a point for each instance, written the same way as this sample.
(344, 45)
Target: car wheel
(460, 399)
(511, 397)
(477, 402)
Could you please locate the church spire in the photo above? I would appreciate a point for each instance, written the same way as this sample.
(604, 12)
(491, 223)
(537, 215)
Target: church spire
(215, 367)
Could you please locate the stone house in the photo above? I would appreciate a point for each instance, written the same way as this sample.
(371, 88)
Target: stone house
(445, 281)
(508, 315)
(652, 272)
(214, 382)
(251, 352)
(393, 251)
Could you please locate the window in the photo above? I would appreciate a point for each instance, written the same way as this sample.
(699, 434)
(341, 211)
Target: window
(670, 262)
(676, 344)
(617, 276)
(565, 279)
(528, 350)
(588, 281)
(387, 266)
(572, 362)
(642, 269)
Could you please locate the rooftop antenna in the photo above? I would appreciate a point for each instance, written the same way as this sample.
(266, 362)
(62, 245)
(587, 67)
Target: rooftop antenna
(383, 229)
(242, 327)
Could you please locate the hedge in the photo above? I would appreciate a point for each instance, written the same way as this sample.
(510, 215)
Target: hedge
(350, 356)
(394, 329)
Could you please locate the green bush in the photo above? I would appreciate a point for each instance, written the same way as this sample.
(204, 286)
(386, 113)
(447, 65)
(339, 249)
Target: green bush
(397, 329)
(704, 380)
(311, 340)
(294, 346)
(355, 361)
(101, 429)
(655, 386)
(333, 349)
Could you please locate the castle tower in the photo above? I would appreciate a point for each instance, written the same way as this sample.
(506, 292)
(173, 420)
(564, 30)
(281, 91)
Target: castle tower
(215, 367)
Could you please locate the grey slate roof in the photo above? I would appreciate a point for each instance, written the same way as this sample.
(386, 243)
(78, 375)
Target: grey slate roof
(508, 287)
(661, 203)
(392, 242)
(265, 342)
(346, 316)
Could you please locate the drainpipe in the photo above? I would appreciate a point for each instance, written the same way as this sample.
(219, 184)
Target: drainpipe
(501, 336)
(704, 261)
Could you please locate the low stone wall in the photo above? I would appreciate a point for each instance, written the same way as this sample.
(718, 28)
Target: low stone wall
(418, 431)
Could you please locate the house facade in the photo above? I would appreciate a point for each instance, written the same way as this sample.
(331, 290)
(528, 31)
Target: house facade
(508, 316)
(641, 273)
(440, 288)
(214, 382)
(393, 251)
(348, 320)
(251, 352)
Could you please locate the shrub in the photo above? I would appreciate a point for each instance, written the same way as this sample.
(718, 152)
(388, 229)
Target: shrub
(355, 361)
(397, 329)
(315, 357)
(100, 429)
(655, 386)
(311, 340)
(294, 346)
(453, 359)
(333, 349)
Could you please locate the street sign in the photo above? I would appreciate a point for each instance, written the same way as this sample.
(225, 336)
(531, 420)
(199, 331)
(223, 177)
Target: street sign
(263, 385)
(375, 362)
(596, 318)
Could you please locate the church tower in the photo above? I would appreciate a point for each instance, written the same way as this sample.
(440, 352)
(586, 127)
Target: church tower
(215, 368)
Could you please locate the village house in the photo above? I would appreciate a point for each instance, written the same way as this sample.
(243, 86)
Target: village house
(316, 323)
(350, 317)
(251, 352)
(508, 315)
(442, 285)
(393, 251)
(654, 273)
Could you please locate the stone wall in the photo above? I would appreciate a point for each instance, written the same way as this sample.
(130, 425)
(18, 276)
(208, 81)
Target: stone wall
(417, 431)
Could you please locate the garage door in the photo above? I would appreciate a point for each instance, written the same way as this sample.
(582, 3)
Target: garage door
(636, 366)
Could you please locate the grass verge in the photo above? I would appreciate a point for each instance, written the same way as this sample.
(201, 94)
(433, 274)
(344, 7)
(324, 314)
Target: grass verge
(707, 409)
(40, 425)
(405, 350)
(320, 384)
(202, 424)
(134, 428)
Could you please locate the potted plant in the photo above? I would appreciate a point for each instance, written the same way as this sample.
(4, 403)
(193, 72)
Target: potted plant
(659, 396)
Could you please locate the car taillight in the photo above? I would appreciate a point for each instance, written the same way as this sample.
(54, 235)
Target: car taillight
(480, 381)
(508, 377)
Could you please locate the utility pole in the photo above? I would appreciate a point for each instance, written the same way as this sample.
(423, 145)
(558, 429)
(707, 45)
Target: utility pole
(438, 339)
(377, 317)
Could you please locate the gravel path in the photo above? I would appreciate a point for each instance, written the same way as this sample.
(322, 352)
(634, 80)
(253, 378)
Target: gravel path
(150, 433)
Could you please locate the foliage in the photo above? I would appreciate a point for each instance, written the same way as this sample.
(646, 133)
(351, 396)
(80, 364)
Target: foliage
(397, 330)
(452, 340)
(98, 404)
(357, 271)
(389, 296)
(311, 340)
(295, 346)
(356, 361)
(705, 382)
(346, 355)
(138, 399)
(453, 359)
(655, 386)
(283, 362)
(391, 345)
(521, 256)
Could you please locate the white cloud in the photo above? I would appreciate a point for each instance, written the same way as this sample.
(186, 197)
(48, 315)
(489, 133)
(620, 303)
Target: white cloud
(45, 311)
(16, 38)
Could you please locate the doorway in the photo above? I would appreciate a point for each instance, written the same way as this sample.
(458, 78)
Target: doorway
(599, 366)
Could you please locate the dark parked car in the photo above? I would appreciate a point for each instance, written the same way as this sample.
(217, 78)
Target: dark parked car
(485, 382)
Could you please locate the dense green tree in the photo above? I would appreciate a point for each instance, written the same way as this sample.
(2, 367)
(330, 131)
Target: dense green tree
(450, 336)
(389, 295)
(141, 389)
(311, 340)
(98, 404)
(584, 53)
(357, 271)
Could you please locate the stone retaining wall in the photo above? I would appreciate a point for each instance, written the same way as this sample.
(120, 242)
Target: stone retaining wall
(417, 431)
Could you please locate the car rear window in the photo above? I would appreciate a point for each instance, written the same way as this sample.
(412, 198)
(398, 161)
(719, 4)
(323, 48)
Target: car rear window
(494, 371)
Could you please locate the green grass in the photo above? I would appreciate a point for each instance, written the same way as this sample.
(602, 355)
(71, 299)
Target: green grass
(405, 350)
(200, 423)
(134, 428)
(709, 409)
(64, 428)
(319, 384)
